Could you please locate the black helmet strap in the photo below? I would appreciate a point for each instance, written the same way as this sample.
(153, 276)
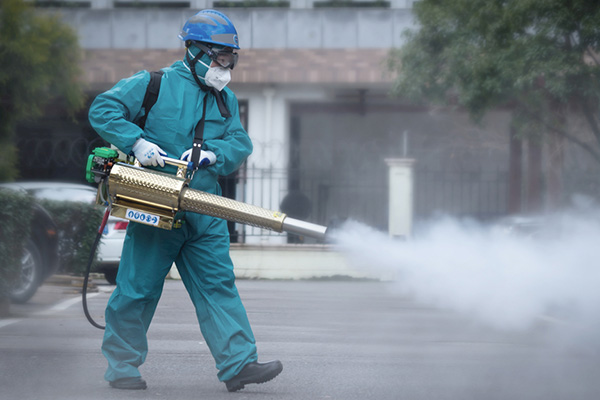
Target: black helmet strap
(218, 95)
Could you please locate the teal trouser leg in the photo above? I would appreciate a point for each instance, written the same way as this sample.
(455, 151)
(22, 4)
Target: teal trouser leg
(148, 254)
(207, 272)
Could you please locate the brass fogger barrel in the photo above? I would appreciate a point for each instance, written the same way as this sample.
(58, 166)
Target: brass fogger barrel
(155, 190)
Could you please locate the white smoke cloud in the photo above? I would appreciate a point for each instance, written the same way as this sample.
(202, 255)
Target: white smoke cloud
(506, 279)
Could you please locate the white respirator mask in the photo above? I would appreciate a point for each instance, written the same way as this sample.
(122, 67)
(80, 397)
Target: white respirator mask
(217, 77)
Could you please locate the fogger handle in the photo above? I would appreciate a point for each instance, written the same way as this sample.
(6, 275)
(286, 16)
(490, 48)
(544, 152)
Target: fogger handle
(178, 163)
(183, 167)
(172, 161)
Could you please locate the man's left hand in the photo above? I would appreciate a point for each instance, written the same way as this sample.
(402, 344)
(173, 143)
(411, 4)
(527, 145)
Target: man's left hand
(206, 157)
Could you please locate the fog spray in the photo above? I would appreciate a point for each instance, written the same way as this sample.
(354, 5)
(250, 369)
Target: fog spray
(512, 279)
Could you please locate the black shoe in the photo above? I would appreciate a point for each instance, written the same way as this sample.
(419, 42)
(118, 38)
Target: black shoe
(135, 383)
(255, 373)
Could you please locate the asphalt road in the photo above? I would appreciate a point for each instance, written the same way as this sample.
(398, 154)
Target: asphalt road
(341, 340)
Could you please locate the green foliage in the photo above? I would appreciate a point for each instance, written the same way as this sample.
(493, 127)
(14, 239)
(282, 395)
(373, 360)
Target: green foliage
(8, 159)
(77, 225)
(537, 56)
(39, 62)
(15, 213)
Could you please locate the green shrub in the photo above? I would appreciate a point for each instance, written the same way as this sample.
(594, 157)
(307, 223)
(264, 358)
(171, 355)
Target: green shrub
(16, 210)
(77, 225)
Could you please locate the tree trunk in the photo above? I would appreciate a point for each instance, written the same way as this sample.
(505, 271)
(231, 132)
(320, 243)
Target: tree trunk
(534, 176)
(555, 171)
(515, 173)
(556, 158)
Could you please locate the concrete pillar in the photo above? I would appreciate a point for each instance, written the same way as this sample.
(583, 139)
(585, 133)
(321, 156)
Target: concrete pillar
(400, 197)
(200, 4)
(101, 4)
(402, 3)
(301, 4)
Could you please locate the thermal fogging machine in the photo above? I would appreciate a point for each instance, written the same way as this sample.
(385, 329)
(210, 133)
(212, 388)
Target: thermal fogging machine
(154, 198)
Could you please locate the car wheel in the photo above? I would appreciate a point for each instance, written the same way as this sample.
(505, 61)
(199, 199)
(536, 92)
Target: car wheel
(30, 276)
(111, 277)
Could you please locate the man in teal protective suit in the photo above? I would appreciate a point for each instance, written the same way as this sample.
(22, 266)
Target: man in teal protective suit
(200, 247)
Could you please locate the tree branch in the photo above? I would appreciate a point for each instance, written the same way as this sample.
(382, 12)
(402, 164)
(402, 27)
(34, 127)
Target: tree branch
(592, 56)
(585, 146)
(589, 115)
(580, 143)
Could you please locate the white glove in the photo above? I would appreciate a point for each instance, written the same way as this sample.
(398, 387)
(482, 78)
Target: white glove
(148, 153)
(206, 157)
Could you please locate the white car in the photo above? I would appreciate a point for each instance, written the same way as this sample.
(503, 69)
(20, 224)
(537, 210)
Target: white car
(109, 250)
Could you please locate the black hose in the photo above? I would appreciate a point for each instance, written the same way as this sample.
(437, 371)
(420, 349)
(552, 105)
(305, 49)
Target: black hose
(89, 268)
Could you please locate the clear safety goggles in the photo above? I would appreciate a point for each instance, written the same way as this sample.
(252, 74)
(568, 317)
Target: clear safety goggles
(225, 57)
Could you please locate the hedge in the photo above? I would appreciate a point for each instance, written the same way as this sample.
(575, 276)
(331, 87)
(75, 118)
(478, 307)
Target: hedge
(77, 226)
(16, 211)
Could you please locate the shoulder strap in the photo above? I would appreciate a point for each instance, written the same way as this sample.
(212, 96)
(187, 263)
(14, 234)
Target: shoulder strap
(199, 130)
(151, 95)
(199, 136)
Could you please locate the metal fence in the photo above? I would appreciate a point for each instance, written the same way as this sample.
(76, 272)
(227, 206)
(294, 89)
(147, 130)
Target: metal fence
(315, 197)
(475, 194)
(320, 199)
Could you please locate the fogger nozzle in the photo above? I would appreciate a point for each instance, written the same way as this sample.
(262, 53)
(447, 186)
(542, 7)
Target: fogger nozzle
(162, 195)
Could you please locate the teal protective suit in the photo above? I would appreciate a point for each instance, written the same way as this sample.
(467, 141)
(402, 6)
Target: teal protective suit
(200, 248)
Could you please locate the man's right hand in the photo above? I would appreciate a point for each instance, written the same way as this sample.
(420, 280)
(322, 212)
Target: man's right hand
(148, 153)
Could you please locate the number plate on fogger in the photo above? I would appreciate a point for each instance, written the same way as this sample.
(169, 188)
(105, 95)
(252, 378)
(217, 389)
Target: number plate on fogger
(144, 218)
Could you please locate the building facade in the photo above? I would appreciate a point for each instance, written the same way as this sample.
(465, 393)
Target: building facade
(315, 91)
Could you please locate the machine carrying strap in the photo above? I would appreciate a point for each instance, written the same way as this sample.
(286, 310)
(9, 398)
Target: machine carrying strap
(151, 96)
(199, 136)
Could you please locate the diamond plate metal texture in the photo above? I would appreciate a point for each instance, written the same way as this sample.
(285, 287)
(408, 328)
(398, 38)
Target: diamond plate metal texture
(231, 210)
(146, 185)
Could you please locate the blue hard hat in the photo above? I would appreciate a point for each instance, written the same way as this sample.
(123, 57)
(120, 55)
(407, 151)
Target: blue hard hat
(210, 26)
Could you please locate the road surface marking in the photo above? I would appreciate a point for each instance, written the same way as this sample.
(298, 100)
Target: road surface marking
(63, 305)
